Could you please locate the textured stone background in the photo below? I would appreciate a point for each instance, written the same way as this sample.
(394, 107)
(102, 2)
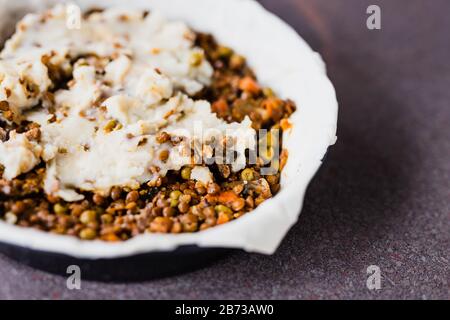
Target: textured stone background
(382, 196)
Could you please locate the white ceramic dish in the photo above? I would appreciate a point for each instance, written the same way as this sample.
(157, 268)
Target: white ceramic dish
(281, 60)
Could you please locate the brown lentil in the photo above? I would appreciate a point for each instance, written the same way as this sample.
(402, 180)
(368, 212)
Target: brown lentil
(161, 225)
(213, 188)
(189, 223)
(132, 196)
(4, 105)
(18, 207)
(169, 212)
(183, 207)
(209, 212)
(238, 204)
(177, 227)
(98, 199)
(162, 203)
(116, 193)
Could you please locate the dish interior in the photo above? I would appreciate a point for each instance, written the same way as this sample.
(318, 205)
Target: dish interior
(234, 93)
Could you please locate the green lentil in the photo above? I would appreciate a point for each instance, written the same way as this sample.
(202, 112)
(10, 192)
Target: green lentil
(88, 216)
(268, 92)
(174, 203)
(107, 218)
(175, 194)
(247, 175)
(196, 59)
(221, 208)
(186, 173)
(88, 234)
(224, 52)
(110, 126)
(59, 209)
(236, 61)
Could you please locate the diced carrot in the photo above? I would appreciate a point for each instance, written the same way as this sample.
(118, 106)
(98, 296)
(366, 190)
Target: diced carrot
(248, 84)
(285, 124)
(283, 158)
(220, 106)
(223, 218)
(228, 197)
(111, 237)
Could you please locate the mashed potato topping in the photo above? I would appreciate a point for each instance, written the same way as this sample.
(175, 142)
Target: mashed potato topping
(102, 94)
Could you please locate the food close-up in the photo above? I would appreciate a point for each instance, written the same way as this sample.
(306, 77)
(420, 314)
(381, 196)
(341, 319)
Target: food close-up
(90, 127)
(234, 157)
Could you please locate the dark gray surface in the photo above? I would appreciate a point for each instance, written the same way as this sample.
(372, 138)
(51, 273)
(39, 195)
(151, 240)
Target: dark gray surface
(382, 196)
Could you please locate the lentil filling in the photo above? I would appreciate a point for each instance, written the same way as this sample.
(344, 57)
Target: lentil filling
(174, 203)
